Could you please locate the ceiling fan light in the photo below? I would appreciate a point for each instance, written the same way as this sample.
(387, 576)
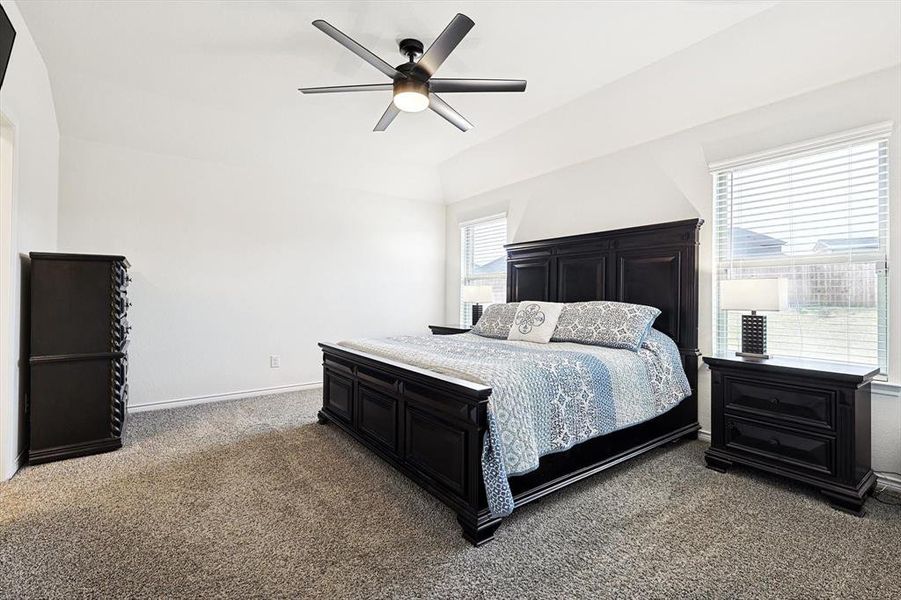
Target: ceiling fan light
(411, 101)
(411, 96)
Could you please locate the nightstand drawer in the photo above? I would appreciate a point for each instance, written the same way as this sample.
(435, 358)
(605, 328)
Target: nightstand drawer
(792, 403)
(792, 449)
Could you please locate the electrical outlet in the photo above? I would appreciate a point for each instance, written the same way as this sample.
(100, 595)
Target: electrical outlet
(274, 361)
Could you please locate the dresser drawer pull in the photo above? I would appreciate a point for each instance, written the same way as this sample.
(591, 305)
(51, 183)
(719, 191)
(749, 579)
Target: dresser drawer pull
(774, 400)
(774, 441)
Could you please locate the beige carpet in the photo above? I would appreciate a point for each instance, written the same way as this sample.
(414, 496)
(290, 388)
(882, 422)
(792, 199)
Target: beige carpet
(253, 499)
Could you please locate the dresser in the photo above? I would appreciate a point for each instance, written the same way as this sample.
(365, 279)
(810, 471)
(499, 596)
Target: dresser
(802, 419)
(78, 354)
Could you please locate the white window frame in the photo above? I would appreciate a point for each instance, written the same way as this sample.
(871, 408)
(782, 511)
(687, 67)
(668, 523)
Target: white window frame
(467, 278)
(876, 132)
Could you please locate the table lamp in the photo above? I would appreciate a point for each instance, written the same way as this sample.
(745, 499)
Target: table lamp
(477, 295)
(753, 295)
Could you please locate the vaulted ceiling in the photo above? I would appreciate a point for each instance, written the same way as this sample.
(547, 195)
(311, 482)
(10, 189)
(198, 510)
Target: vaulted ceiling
(217, 80)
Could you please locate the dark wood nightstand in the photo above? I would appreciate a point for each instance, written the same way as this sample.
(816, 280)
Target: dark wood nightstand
(803, 419)
(448, 329)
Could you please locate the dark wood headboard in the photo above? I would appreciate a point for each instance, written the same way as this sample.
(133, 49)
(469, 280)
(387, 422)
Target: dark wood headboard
(656, 265)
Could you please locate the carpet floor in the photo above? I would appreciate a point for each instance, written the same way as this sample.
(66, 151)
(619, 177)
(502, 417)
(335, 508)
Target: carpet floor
(252, 498)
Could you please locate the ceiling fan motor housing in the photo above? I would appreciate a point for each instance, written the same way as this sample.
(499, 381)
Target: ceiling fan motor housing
(412, 71)
(411, 85)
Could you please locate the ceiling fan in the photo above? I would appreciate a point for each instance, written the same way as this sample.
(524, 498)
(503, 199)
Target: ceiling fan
(413, 84)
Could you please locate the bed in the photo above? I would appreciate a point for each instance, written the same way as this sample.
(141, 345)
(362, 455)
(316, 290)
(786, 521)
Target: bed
(422, 404)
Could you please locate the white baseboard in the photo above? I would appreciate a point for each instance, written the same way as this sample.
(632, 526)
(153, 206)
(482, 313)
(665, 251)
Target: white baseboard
(190, 401)
(704, 435)
(891, 481)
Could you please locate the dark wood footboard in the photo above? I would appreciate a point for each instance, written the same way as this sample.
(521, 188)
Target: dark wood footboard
(428, 426)
(431, 428)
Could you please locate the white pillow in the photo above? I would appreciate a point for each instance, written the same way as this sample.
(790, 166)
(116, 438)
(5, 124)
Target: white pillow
(535, 321)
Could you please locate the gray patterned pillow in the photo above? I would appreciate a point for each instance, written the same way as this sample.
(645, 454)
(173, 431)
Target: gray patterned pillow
(611, 324)
(496, 321)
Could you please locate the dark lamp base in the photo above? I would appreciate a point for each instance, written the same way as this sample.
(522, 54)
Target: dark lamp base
(753, 336)
(476, 313)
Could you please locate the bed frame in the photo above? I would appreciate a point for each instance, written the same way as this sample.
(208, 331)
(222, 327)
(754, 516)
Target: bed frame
(430, 426)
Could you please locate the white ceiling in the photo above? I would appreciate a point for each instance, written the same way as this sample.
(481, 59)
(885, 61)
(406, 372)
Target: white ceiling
(217, 80)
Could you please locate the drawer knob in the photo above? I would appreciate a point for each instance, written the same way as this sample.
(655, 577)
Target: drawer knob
(774, 441)
(774, 400)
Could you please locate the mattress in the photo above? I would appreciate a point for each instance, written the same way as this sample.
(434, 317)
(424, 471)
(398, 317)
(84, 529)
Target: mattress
(545, 397)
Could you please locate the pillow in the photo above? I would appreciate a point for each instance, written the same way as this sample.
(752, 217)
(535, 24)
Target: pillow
(611, 324)
(535, 322)
(496, 321)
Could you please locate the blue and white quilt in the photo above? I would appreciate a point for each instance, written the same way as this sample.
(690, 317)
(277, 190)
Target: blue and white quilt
(545, 397)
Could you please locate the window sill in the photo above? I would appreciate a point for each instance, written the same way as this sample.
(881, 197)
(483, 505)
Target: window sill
(884, 388)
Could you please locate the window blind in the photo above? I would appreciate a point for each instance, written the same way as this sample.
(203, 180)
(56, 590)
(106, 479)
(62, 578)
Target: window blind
(483, 259)
(819, 220)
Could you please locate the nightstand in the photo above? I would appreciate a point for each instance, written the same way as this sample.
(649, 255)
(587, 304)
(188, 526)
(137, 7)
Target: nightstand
(803, 419)
(448, 329)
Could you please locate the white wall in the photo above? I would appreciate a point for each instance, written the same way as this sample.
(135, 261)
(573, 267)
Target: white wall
(668, 179)
(26, 101)
(231, 264)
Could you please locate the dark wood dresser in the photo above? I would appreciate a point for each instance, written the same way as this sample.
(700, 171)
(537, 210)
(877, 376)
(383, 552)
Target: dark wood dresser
(807, 420)
(78, 348)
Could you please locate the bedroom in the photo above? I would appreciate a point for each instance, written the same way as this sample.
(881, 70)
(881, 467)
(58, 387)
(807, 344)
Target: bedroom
(260, 222)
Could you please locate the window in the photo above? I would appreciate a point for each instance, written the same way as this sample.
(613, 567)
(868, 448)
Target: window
(815, 216)
(483, 260)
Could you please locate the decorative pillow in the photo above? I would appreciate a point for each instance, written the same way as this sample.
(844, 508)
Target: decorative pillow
(496, 321)
(535, 321)
(611, 324)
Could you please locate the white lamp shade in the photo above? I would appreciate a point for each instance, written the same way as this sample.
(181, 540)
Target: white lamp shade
(752, 294)
(478, 294)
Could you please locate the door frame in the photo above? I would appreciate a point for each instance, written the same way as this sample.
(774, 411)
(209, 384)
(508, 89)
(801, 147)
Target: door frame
(9, 326)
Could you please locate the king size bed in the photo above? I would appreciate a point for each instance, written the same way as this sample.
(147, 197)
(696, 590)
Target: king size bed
(554, 413)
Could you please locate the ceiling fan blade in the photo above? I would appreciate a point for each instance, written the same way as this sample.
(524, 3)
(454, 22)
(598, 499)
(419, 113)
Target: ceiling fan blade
(444, 109)
(477, 85)
(357, 49)
(386, 119)
(445, 43)
(366, 87)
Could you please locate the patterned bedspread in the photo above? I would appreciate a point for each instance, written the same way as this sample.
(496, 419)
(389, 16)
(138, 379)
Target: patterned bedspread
(545, 397)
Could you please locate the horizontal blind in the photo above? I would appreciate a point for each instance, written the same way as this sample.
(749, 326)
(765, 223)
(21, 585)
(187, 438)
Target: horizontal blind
(483, 259)
(819, 221)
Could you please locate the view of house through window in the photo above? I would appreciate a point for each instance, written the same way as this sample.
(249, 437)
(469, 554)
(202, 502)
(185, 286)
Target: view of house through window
(483, 260)
(819, 221)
